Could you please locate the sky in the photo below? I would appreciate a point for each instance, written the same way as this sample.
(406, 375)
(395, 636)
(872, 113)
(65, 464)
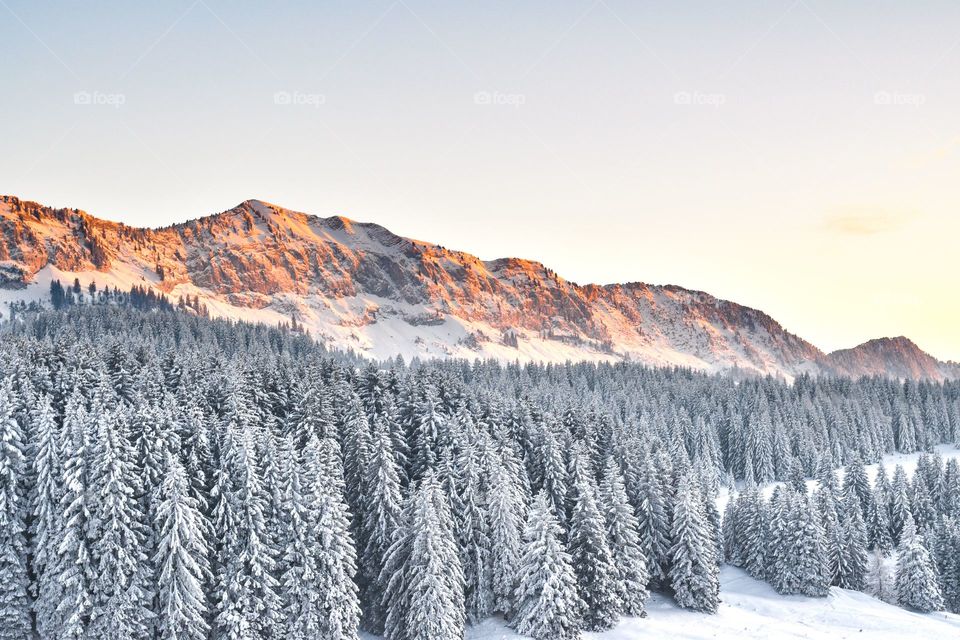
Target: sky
(797, 156)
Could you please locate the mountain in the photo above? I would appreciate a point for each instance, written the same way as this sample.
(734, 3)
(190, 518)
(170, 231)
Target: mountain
(894, 357)
(358, 285)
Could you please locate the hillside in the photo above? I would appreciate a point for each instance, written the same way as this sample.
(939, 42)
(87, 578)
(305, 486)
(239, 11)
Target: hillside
(359, 286)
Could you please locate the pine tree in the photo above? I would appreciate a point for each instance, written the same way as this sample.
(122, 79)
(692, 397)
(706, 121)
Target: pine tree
(380, 523)
(425, 586)
(593, 563)
(121, 589)
(247, 603)
(74, 568)
(694, 574)
(653, 518)
(917, 583)
(472, 528)
(548, 606)
(505, 538)
(878, 527)
(15, 603)
(181, 559)
(47, 523)
(753, 518)
(334, 595)
(623, 536)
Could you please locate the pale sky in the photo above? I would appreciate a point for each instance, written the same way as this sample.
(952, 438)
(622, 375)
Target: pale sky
(798, 156)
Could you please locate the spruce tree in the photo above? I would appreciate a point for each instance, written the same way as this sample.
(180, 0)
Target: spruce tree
(505, 539)
(694, 574)
(623, 535)
(548, 605)
(425, 587)
(181, 559)
(121, 590)
(593, 562)
(15, 603)
(917, 582)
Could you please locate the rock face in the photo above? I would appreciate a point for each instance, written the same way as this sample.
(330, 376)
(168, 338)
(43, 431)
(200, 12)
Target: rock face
(357, 285)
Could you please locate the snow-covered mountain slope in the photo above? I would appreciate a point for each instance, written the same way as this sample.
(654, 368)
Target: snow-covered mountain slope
(357, 285)
(895, 357)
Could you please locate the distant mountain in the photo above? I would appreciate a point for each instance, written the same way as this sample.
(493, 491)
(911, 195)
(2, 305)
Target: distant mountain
(894, 357)
(357, 285)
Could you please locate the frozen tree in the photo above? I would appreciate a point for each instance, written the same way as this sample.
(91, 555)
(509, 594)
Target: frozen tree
(181, 559)
(917, 582)
(880, 582)
(380, 521)
(74, 567)
(14, 579)
(47, 521)
(694, 574)
(505, 538)
(122, 579)
(624, 538)
(593, 562)
(548, 605)
(425, 585)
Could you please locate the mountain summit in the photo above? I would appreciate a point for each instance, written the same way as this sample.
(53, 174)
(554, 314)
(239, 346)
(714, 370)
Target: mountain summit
(358, 285)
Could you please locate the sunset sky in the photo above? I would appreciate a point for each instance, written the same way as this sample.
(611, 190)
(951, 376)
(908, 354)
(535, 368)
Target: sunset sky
(802, 157)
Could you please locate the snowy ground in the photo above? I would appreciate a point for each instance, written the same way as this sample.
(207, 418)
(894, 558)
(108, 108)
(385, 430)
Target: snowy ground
(752, 610)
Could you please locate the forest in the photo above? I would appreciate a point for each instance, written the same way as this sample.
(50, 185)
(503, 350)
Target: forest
(168, 476)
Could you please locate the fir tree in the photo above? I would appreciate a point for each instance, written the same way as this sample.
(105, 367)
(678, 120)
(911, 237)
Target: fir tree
(917, 583)
(694, 574)
(624, 538)
(548, 606)
(593, 563)
(14, 579)
(181, 559)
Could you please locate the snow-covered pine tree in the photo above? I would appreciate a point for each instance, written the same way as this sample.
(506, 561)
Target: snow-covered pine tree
(381, 512)
(653, 518)
(548, 605)
(623, 535)
(730, 529)
(15, 622)
(331, 591)
(472, 528)
(878, 527)
(74, 568)
(505, 538)
(694, 573)
(424, 596)
(182, 559)
(247, 604)
(753, 518)
(121, 590)
(899, 503)
(857, 485)
(47, 522)
(593, 563)
(917, 581)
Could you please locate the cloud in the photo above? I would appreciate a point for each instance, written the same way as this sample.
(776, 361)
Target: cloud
(861, 221)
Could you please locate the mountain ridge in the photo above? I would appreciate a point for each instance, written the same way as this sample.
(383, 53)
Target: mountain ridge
(359, 285)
